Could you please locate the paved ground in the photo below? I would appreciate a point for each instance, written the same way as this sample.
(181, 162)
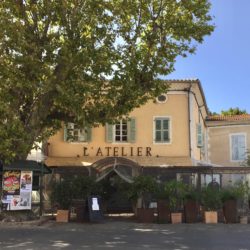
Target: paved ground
(114, 234)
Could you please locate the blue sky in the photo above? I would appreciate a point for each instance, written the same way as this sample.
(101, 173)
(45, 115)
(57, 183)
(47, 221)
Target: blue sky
(222, 61)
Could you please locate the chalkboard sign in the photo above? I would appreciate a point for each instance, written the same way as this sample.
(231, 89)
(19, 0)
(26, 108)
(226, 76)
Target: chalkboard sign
(94, 209)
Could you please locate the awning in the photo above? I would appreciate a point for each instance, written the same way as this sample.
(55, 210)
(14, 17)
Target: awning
(160, 161)
(28, 166)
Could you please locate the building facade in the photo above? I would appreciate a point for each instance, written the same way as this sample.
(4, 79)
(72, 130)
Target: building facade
(171, 137)
(168, 131)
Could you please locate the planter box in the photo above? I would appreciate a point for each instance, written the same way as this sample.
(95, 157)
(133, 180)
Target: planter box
(191, 210)
(230, 211)
(211, 217)
(145, 215)
(62, 216)
(243, 220)
(163, 211)
(176, 218)
(80, 206)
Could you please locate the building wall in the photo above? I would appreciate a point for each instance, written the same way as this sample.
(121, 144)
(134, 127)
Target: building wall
(176, 108)
(219, 146)
(178, 145)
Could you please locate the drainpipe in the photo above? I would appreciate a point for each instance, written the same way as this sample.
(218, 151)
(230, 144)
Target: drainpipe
(189, 123)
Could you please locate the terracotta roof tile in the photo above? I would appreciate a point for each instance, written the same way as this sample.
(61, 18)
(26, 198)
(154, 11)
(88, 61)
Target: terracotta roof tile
(243, 117)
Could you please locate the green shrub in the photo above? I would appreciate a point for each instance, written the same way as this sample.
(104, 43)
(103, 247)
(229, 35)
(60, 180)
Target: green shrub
(211, 198)
(142, 187)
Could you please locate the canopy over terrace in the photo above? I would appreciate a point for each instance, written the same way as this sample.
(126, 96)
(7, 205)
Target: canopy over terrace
(28, 165)
(123, 167)
(101, 167)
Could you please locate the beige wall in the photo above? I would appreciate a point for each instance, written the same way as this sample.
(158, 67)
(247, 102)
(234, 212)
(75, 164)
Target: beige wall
(176, 108)
(219, 143)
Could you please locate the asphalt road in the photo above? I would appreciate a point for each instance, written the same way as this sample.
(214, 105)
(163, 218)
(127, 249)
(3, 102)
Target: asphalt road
(124, 235)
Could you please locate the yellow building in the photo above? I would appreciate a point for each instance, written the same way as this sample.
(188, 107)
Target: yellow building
(168, 131)
(171, 137)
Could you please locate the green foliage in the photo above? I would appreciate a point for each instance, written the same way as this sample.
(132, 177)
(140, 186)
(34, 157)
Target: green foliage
(246, 162)
(86, 61)
(82, 187)
(211, 198)
(233, 111)
(142, 187)
(79, 187)
(235, 192)
(192, 194)
(175, 192)
(61, 195)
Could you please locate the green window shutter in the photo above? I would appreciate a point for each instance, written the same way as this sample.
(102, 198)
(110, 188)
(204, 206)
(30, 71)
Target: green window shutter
(199, 135)
(109, 133)
(88, 130)
(65, 133)
(132, 130)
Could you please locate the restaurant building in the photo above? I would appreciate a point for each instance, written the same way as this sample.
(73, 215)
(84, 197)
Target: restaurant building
(167, 131)
(171, 137)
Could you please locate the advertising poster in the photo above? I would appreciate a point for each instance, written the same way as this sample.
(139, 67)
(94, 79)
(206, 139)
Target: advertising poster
(11, 185)
(17, 189)
(26, 181)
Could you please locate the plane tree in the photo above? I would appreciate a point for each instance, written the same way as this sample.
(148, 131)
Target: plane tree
(86, 61)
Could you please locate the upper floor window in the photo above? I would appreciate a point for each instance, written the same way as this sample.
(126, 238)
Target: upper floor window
(162, 98)
(75, 133)
(238, 147)
(162, 130)
(122, 131)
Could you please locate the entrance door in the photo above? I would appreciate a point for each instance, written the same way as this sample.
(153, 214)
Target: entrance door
(115, 194)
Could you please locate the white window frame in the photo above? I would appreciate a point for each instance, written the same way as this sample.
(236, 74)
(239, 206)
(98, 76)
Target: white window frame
(230, 145)
(114, 132)
(169, 118)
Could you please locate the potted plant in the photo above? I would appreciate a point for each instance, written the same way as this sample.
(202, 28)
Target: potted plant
(244, 191)
(82, 187)
(61, 198)
(163, 208)
(191, 205)
(140, 192)
(230, 197)
(175, 191)
(211, 201)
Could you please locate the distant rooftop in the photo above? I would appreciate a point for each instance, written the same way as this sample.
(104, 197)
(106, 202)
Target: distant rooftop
(243, 117)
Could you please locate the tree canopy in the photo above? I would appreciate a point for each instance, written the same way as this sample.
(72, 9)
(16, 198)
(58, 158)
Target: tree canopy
(234, 111)
(86, 61)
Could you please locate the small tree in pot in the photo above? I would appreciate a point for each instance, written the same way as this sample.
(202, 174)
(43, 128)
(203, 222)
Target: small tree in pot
(230, 196)
(191, 205)
(175, 191)
(140, 192)
(211, 201)
(61, 199)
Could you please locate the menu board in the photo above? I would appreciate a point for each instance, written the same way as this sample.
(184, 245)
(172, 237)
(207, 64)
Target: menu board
(94, 210)
(17, 189)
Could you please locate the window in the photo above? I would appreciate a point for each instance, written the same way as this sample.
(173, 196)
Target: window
(74, 133)
(238, 147)
(162, 98)
(122, 131)
(199, 135)
(161, 130)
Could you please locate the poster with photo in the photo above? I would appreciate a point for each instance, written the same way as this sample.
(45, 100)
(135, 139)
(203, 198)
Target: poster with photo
(17, 189)
(26, 181)
(11, 183)
(21, 202)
